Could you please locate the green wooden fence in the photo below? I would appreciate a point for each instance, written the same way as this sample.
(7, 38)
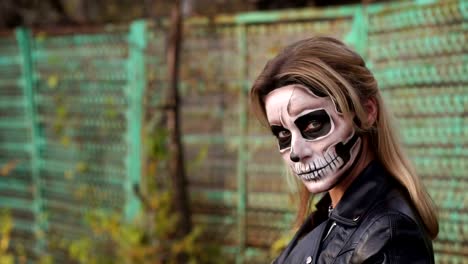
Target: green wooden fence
(71, 122)
(74, 107)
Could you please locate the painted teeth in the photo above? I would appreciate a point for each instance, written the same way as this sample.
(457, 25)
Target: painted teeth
(308, 177)
(339, 161)
(326, 166)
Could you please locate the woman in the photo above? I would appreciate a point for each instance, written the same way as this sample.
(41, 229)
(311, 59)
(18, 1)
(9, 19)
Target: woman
(324, 107)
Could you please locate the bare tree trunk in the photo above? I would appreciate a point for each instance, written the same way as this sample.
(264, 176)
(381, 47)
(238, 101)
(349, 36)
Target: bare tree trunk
(176, 162)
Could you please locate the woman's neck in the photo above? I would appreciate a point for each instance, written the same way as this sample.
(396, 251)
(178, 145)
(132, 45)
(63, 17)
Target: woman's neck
(366, 157)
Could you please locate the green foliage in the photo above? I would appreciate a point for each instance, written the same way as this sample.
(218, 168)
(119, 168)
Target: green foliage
(10, 255)
(152, 236)
(141, 241)
(6, 224)
(156, 143)
(280, 244)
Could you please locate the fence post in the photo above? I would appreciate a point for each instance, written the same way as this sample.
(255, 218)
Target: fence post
(24, 39)
(242, 151)
(136, 84)
(358, 35)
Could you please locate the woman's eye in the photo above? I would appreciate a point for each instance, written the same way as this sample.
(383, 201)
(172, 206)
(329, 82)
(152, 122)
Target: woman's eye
(284, 134)
(313, 126)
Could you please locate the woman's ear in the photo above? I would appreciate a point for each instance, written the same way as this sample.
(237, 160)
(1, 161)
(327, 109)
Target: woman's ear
(371, 109)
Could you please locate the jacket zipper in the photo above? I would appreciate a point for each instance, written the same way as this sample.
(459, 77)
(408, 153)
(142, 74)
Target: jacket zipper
(329, 230)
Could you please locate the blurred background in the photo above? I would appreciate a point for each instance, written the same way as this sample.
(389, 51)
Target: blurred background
(126, 135)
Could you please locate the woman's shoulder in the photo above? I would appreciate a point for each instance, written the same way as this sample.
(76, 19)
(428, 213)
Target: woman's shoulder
(390, 229)
(395, 202)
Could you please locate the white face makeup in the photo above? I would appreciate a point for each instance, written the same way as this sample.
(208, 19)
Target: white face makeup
(315, 140)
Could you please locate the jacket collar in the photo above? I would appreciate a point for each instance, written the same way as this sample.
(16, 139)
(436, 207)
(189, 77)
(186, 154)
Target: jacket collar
(372, 184)
(364, 191)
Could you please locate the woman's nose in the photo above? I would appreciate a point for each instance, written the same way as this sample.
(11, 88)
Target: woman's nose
(299, 149)
(294, 157)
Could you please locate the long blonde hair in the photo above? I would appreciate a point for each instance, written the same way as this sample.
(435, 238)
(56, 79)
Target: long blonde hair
(328, 67)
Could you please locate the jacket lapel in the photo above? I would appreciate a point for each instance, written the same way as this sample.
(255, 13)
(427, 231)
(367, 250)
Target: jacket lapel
(304, 229)
(316, 243)
(313, 220)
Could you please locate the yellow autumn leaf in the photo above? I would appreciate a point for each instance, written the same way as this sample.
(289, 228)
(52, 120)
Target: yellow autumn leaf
(40, 36)
(68, 175)
(81, 167)
(52, 81)
(273, 50)
(65, 141)
(80, 192)
(151, 76)
(8, 167)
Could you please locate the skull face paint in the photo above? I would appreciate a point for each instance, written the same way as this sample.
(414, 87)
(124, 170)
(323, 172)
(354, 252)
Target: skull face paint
(314, 139)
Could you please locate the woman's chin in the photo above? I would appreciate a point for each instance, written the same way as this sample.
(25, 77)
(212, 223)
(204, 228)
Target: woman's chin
(324, 184)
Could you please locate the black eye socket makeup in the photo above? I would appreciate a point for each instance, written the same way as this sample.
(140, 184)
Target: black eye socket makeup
(314, 124)
(283, 135)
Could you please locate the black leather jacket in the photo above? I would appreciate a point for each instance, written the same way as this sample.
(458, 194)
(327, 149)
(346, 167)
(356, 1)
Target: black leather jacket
(374, 222)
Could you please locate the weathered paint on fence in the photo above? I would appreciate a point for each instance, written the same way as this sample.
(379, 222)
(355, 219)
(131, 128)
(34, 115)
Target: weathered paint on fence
(24, 41)
(134, 91)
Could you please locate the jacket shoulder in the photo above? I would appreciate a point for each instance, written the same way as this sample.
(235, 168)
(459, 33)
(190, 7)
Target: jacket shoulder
(392, 237)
